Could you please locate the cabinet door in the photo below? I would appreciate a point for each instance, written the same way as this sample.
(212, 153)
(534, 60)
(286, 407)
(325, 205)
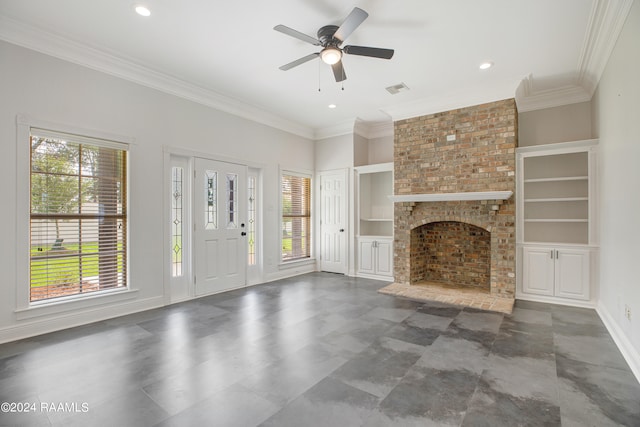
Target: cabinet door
(366, 256)
(384, 257)
(538, 271)
(572, 274)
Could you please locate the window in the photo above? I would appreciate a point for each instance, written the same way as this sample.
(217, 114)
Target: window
(251, 220)
(296, 217)
(78, 215)
(177, 193)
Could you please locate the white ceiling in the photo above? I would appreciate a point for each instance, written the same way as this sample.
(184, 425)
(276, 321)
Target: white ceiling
(226, 54)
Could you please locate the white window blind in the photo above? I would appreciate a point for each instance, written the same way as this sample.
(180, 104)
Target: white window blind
(78, 215)
(296, 217)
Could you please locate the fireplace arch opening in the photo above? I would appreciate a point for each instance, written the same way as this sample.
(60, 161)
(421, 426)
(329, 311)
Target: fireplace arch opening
(451, 252)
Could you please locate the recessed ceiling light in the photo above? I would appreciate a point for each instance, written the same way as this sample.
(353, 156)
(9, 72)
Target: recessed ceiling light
(332, 106)
(486, 65)
(143, 11)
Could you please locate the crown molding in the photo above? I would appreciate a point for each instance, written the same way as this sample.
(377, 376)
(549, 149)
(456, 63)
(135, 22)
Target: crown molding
(29, 37)
(605, 24)
(606, 20)
(423, 107)
(528, 100)
(372, 130)
(346, 127)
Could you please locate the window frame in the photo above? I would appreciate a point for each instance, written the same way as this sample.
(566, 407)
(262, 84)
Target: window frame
(301, 174)
(25, 308)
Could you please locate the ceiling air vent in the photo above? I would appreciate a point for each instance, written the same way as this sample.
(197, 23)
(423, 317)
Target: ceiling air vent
(400, 87)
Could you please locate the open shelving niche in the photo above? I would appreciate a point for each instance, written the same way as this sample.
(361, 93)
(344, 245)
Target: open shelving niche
(556, 193)
(375, 209)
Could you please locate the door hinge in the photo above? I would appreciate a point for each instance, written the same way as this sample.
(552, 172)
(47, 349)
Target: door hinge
(194, 280)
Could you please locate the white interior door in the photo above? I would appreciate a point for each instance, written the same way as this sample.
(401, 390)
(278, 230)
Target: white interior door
(220, 226)
(333, 222)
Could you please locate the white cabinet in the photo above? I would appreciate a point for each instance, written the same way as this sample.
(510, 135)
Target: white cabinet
(374, 213)
(556, 272)
(375, 256)
(556, 222)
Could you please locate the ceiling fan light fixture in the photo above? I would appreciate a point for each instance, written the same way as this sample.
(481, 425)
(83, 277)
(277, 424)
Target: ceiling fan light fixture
(331, 55)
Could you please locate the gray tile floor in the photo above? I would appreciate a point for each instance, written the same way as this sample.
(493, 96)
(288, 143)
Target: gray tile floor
(324, 350)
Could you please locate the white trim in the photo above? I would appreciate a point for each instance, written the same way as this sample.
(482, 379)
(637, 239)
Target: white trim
(377, 167)
(82, 139)
(555, 300)
(74, 303)
(296, 263)
(371, 130)
(70, 320)
(629, 352)
(468, 98)
(606, 20)
(342, 128)
(558, 148)
(73, 130)
(185, 152)
(24, 124)
(446, 197)
(605, 24)
(528, 99)
(100, 59)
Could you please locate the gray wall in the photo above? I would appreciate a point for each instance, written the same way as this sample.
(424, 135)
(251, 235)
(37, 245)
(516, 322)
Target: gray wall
(616, 114)
(551, 125)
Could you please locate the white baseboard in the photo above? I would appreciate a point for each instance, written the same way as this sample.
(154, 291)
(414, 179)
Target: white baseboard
(628, 351)
(286, 273)
(555, 300)
(78, 318)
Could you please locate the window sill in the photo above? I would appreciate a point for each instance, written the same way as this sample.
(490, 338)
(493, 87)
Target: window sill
(297, 263)
(74, 303)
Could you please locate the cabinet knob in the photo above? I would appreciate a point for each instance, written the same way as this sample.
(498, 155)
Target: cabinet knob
(342, 230)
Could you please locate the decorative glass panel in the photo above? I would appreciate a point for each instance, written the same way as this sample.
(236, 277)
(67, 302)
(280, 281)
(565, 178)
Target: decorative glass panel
(251, 229)
(211, 202)
(232, 200)
(176, 221)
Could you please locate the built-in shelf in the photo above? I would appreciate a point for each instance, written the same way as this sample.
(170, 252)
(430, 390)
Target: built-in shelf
(557, 199)
(452, 197)
(557, 179)
(376, 219)
(556, 220)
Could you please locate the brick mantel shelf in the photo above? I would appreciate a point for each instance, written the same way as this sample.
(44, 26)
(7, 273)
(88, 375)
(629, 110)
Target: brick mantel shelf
(452, 197)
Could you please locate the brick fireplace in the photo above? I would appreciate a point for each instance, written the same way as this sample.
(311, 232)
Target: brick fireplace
(469, 243)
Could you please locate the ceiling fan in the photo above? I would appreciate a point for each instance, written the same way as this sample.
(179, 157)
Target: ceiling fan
(330, 37)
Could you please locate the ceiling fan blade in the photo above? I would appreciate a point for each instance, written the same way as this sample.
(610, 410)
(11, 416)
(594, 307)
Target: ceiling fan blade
(351, 22)
(297, 34)
(374, 52)
(338, 71)
(300, 61)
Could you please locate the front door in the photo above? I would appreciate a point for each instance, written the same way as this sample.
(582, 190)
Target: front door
(220, 226)
(333, 222)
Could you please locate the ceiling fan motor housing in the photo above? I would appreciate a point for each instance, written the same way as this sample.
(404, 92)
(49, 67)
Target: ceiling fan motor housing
(325, 35)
